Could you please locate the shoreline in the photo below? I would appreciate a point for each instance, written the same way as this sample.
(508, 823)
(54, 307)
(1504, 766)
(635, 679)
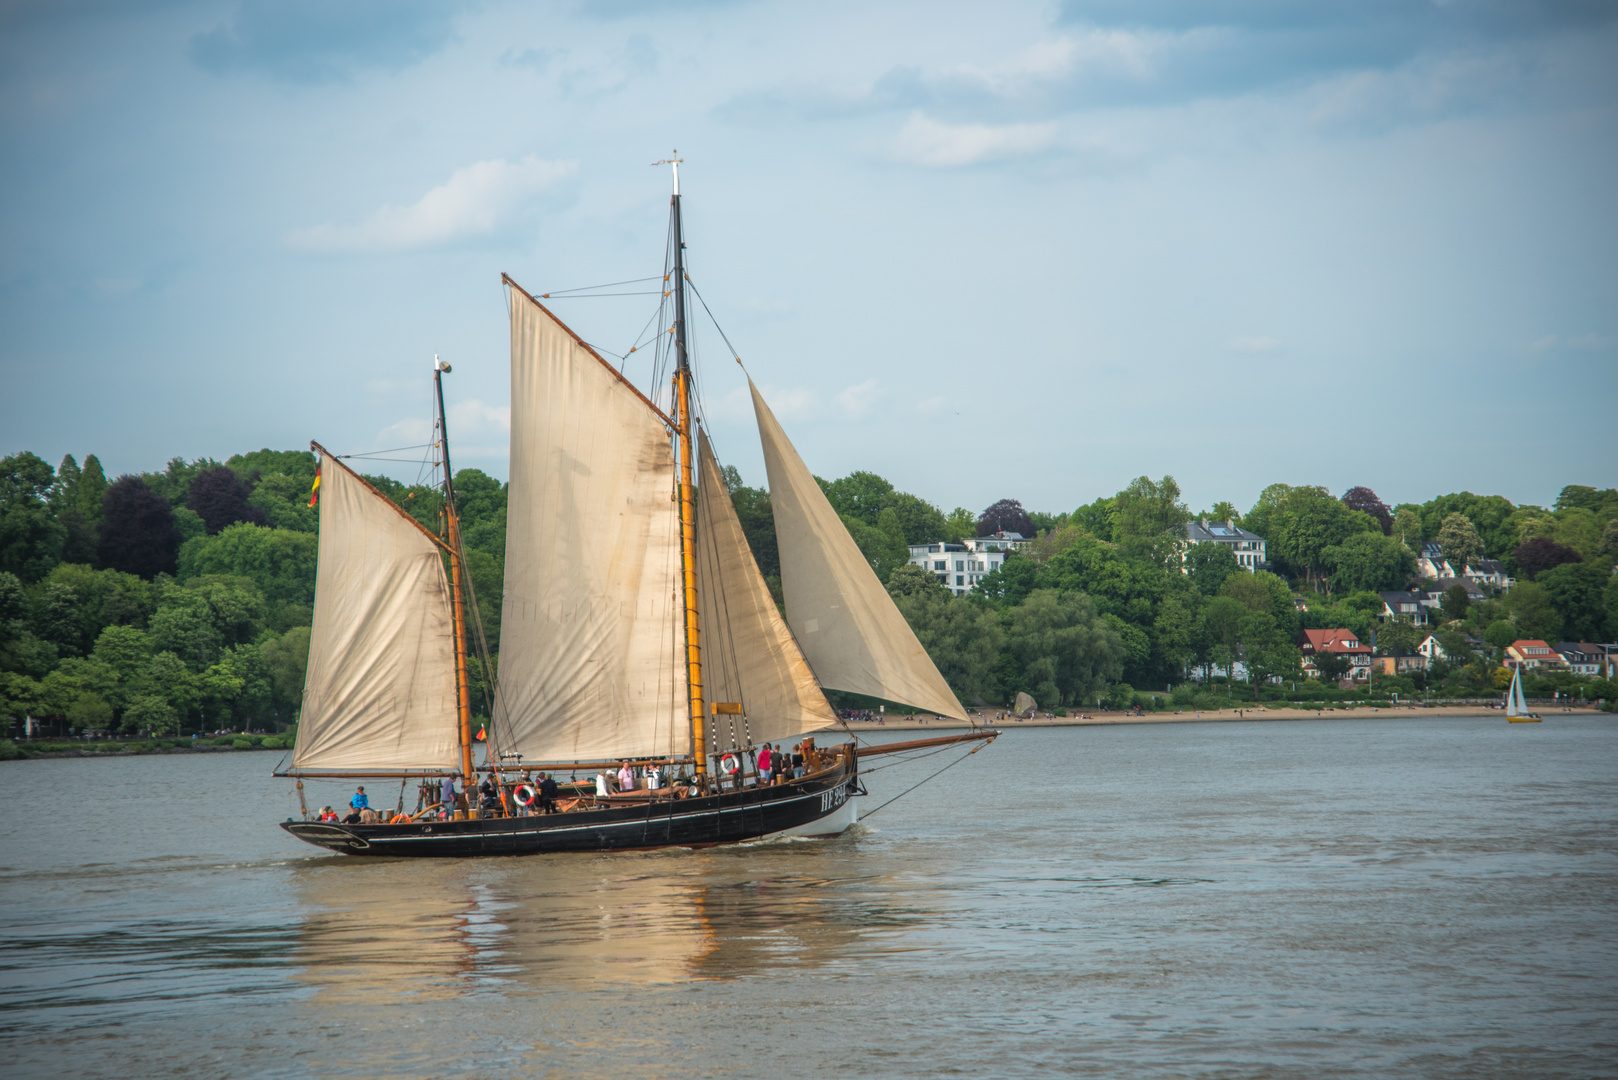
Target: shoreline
(1207, 716)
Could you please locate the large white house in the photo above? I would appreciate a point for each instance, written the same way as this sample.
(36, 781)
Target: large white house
(961, 566)
(1247, 547)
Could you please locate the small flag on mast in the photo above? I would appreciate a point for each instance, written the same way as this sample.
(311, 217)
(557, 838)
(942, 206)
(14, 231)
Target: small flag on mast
(314, 492)
(483, 733)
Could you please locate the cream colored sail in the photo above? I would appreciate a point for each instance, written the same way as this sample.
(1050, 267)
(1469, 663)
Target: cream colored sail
(844, 620)
(748, 655)
(590, 643)
(380, 690)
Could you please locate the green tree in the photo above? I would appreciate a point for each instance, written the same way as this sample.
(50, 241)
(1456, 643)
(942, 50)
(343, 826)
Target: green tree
(1575, 591)
(885, 551)
(1502, 632)
(1061, 649)
(153, 714)
(1460, 541)
(1174, 633)
(1407, 527)
(1209, 565)
(1369, 561)
(279, 562)
(1013, 581)
(960, 524)
(1397, 636)
(198, 620)
(962, 637)
(1456, 602)
(1489, 515)
(1150, 521)
(287, 660)
(30, 536)
(92, 489)
(1533, 613)
(1097, 519)
(1307, 522)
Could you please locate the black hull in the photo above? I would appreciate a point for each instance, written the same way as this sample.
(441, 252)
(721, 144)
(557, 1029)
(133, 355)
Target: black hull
(819, 805)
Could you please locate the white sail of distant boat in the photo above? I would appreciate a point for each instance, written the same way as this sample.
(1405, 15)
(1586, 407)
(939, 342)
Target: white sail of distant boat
(1513, 695)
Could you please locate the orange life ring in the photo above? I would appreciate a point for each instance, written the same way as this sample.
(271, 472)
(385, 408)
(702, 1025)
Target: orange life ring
(518, 795)
(727, 763)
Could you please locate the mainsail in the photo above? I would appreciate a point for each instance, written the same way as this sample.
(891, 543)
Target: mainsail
(590, 650)
(749, 657)
(380, 691)
(845, 622)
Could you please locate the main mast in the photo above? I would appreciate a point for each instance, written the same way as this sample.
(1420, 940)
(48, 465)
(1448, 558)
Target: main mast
(452, 525)
(688, 534)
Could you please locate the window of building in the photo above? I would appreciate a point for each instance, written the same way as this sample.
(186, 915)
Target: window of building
(960, 564)
(960, 579)
(938, 564)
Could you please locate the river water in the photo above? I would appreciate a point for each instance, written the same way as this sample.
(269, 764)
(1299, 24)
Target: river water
(1364, 897)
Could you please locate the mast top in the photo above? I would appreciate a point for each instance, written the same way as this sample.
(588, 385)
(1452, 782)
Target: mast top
(674, 161)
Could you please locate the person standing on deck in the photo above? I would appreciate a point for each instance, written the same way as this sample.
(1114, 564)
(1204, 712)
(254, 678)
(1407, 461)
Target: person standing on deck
(446, 794)
(765, 760)
(626, 778)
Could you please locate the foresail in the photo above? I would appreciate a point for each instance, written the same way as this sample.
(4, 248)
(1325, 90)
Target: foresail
(748, 655)
(590, 648)
(845, 622)
(380, 690)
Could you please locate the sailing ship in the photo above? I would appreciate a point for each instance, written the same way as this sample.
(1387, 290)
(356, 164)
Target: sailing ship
(1516, 705)
(637, 632)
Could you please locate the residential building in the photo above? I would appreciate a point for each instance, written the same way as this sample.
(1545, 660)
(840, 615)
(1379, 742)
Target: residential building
(1586, 658)
(1431, 649)
(1404, 605)
(1400, 663)
(961, 566)
(1430, 563)
(1490, 573)
(1247, 547)
(1342, 642)
(1532, 653)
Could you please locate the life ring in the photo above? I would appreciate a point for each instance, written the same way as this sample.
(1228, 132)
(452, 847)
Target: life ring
(727, 763)
(524, 795)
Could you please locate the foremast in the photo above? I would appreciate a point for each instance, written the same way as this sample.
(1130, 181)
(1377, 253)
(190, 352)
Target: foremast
(452, 530)
(688, 533)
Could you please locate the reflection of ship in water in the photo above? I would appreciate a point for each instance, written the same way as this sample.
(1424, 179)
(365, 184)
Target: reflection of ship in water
(397, 936)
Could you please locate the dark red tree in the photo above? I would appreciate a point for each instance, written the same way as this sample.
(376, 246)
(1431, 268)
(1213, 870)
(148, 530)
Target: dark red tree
(1007, 515)
(1539, 555)
(1365, 500)
(137, 530)
(220, 498)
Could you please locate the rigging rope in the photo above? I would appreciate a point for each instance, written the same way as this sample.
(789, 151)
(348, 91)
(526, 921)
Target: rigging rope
(922, 781)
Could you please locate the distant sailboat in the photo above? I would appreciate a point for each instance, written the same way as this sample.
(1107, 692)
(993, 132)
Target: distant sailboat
(1516, 706)
(637, 630)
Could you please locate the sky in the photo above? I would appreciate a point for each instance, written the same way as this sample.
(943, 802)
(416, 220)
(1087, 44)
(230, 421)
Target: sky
(1021, 250)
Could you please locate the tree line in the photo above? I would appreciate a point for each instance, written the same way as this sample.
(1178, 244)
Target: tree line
(180, 600)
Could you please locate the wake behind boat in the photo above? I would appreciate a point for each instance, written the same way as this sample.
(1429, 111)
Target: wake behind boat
(639, 639)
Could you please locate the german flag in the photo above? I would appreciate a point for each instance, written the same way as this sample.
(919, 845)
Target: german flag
(314, 492)
(483, 734)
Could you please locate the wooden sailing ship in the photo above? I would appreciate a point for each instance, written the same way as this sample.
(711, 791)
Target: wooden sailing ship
(636, 628)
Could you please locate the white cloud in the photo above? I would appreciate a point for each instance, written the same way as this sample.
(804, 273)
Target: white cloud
(476, 430)
(786, 403)
(1544, 344)
(932, 404)
(857, 400)
(923, 141)
(1253, 344)
(474, 201)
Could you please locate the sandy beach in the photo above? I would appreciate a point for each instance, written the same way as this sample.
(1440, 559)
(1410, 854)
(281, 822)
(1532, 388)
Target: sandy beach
(1202, 716)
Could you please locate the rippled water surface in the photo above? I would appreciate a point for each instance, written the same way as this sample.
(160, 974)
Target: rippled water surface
(1378, 897)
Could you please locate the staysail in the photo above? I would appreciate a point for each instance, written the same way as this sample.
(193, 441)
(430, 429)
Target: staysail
(845, 622)
(380, 691)
(749, 657)
(590, 650)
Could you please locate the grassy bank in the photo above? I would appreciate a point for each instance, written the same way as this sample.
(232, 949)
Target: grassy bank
(49, 748)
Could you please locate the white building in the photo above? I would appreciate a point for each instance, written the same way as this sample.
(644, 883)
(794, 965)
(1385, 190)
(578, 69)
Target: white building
(961, 566)
(1247, 547)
